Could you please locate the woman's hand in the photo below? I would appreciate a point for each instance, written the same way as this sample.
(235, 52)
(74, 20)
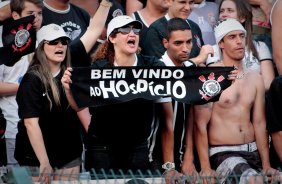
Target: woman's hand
(66, 79)
(46, 173)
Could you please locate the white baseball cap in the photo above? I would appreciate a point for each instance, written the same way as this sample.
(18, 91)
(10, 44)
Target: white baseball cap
(226, 26)
(121, 21)
(50, 32)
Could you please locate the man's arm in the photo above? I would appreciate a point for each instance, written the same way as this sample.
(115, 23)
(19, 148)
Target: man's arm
(265, 5)
(166, 115)
(259, 122)
(5, 11)
(133, 6)
(277, 36)
(7, 89)
(267, 71)
(188, 167)
(203, 56)
(202, 115)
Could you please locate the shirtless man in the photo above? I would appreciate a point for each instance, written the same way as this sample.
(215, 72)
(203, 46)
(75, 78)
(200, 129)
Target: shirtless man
(231, 136)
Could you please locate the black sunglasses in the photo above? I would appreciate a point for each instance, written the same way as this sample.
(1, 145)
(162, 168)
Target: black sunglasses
(126, 30)
(57, 41)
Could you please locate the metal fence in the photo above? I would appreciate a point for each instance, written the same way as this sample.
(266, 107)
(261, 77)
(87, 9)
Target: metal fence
(21, 175)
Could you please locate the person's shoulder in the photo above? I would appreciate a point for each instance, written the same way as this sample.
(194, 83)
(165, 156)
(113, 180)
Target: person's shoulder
(254, 77)
(159, 23)
(144, 60)
(212, 4)
(100, 63)
(79, 10)
(192, 24)
(30, 78)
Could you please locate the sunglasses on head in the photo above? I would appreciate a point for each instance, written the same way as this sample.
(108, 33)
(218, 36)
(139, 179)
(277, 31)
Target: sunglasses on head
(57, 41)
(126, 30)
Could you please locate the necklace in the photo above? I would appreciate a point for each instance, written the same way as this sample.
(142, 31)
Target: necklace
(240, 76)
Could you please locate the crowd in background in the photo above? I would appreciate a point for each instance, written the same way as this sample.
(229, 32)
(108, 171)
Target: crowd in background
(42, 128)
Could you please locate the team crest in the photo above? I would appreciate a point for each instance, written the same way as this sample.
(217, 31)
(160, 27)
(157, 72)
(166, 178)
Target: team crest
(22, 38)
(117, 12)
(210, 87)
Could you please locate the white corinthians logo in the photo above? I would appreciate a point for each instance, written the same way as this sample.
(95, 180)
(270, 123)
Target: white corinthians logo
(21, 37)
(210, 87)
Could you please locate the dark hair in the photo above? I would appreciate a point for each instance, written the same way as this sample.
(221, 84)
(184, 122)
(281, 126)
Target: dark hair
(244, 11)
(18, 5)
(176, 24)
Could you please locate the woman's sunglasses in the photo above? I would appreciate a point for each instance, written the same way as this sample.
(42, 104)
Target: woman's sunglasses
(126, 30)
(57, 41)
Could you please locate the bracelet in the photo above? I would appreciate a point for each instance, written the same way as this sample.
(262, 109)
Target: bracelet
(106, 3)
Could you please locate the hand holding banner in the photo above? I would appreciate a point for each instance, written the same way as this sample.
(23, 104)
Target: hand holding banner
(101, 86)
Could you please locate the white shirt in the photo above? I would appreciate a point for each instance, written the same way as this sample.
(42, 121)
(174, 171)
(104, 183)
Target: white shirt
(8, 104)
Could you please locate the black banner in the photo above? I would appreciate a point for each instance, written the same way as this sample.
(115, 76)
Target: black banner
(19, 39)
(102, 86)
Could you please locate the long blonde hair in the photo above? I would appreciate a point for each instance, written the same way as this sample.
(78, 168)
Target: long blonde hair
(39, 67)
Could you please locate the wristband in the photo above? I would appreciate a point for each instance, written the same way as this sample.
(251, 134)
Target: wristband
(106, 3)
(193, 64)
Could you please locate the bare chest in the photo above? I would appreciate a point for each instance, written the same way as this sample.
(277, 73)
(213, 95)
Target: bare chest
(240, 92)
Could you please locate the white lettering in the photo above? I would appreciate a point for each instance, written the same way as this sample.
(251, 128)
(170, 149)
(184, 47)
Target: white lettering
(125, 86)
(179, 84)
(107, 90)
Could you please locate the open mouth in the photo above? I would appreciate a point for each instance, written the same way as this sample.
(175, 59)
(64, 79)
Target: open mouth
(131, 42)
(59, 52)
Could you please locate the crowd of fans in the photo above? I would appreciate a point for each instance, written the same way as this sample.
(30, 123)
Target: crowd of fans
(42, 127)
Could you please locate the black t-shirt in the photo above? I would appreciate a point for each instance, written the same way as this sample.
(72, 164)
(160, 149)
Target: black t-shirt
(274, 106)
(79, 56)
(143, 30)
(60, 126)
(74, 22)
(152, 43)
(125, 124)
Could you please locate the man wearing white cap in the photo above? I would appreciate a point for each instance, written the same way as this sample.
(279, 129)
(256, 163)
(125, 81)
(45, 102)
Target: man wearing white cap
(231, 135)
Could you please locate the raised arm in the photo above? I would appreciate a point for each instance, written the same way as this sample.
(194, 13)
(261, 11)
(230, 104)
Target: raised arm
(96, 26)
(132, 6)
(265, 5)
(5, 11)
